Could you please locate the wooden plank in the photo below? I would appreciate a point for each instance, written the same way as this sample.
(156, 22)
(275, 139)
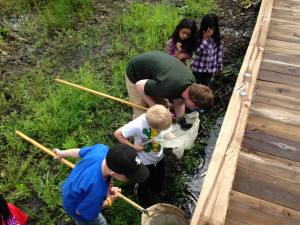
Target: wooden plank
(276, 94)
(280, 67)
(280, 78)
(280, 35)
(272, 127)
(286, 5)
(276, 113)
(283, 59)
(284, 31)
(287, 8)
(290, 25)
(213, 202)
(283, 47)
(277, 146)
(270, 165)
(255, 211)
(267, 187)
(294, 3)
(285, 20)
(287, 15)
(281, 103)
(230, 221)
(283, 44)
(270, 89)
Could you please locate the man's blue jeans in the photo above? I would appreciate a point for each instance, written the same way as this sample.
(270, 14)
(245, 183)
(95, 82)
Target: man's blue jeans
(100, 220)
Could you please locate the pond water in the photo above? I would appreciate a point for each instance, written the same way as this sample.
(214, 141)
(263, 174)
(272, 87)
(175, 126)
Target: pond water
(195, 181)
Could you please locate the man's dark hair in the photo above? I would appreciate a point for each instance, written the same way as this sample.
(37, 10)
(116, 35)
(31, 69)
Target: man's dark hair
(201, 95)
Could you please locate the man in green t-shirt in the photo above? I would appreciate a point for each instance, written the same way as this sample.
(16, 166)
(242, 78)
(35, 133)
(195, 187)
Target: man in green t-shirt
(154, 76)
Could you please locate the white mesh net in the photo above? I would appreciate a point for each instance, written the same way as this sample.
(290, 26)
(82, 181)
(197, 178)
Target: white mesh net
(164, 214)
(179, 139)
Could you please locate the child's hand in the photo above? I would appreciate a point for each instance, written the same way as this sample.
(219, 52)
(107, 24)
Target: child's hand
(139, 148)
(178, 46)
(58, 153)
(207, 34)
(113, 193)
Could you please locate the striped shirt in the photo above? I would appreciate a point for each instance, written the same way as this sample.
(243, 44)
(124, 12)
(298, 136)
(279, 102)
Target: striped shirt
(208, 57)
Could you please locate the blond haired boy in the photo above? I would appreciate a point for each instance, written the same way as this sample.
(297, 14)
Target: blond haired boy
(144, 129)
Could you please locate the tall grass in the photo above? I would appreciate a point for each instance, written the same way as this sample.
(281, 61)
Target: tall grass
(64, 13)
(52, 14)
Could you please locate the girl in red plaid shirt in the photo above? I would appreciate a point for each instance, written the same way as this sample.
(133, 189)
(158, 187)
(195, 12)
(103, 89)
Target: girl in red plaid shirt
(183, 40)
(209, 54)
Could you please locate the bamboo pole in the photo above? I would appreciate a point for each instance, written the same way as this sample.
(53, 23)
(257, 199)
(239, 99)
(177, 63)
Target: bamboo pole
(44, 149)
(137, 206)
(71, 165)
(101, 94)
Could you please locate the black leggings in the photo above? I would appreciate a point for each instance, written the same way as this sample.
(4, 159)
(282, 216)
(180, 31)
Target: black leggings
(153, 185)
(203, 78)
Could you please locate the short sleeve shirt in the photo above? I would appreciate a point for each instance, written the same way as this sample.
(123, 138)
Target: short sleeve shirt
(167, 76)
(85, 189)
(140, 130)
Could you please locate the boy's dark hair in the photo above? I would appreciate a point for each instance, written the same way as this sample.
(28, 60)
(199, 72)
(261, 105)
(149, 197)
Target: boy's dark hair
(210, 21)
(4, 211)
(189, 44)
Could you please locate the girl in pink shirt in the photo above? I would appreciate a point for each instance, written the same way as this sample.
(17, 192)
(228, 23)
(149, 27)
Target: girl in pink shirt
(183, 40)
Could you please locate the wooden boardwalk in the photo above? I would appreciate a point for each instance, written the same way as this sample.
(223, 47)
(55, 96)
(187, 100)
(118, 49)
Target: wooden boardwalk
(255, 173)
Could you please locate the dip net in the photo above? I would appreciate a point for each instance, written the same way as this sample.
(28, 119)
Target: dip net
(164, 214)
(179, 139)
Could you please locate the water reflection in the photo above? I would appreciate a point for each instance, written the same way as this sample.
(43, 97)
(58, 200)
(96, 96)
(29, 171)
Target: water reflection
(195, 181)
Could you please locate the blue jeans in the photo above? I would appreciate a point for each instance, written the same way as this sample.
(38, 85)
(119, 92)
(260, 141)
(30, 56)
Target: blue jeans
(100, 220)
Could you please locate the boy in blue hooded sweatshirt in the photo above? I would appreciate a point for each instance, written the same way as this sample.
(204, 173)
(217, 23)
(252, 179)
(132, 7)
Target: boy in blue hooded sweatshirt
(88, 188)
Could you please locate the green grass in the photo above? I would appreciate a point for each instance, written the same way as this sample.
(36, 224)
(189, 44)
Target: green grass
(62, 14)
(60, 116)
(52, 15)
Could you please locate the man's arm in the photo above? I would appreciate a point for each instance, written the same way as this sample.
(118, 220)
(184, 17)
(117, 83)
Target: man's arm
(140, 87)
(179, 107)
(118, 134)
(74, 152)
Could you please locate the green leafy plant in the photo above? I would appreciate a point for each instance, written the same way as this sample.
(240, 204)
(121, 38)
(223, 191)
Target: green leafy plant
(196, 9)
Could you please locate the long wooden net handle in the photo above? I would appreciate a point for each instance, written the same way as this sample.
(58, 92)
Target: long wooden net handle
(101, 94)
(129, 201)
(71, 165)
(44, 149)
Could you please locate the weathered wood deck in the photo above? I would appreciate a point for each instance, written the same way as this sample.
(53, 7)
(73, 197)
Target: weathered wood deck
(254, 175)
